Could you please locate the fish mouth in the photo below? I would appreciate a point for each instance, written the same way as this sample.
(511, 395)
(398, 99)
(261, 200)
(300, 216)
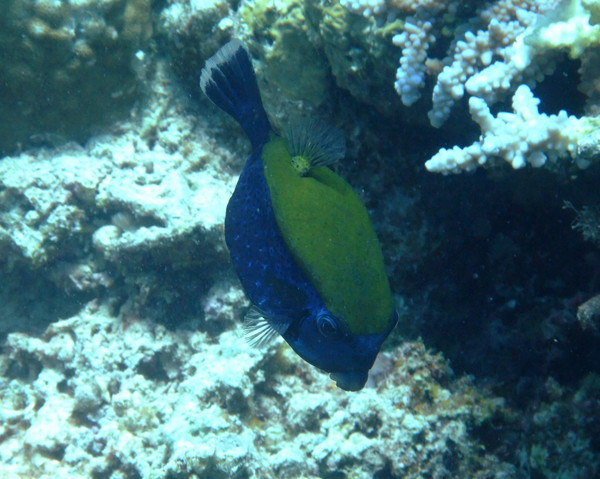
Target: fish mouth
(353, 381)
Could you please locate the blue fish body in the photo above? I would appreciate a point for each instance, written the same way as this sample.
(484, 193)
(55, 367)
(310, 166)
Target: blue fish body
(273, 277)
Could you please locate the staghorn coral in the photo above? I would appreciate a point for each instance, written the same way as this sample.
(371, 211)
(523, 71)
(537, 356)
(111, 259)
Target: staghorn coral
(494, 32)
(503, 23)
(528, 55)
(382, 7)
(519, 138)
(414, 40)
(505, 45)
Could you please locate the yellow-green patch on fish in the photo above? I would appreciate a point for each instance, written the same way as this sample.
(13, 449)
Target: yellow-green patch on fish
(329, 233)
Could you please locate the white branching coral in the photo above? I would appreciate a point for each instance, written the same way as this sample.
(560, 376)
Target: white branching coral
(414, 40)
(570, 27)
(380, 7)
(494, 50)
(531, 55)
(365, 7)
(501, 28)
(526, 136)
(523, 137)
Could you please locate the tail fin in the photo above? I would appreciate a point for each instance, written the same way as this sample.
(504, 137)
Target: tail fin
(228, 79)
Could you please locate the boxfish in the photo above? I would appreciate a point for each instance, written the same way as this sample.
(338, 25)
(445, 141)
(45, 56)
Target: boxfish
(299, 237)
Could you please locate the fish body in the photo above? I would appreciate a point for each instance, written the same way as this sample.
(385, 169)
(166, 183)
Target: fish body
(299, 237)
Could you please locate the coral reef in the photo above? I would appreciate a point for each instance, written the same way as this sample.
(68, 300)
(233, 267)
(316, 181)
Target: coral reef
(303, 48)
(414, 40)
(493, 51)
(121, 351)
(562, 411)
(356, 48)
(472, 69)
(89, 216)
(89, 396)
(519, 138)
(191, 31)
(68, 67)
(588, 314)
(528, 54)
(503, 48)
(280, 33)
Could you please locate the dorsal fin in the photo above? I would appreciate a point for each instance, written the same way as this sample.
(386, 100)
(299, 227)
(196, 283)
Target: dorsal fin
(229, 81)
(314, 143)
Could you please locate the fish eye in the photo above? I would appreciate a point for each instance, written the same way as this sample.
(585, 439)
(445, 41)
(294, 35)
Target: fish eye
(328, 326)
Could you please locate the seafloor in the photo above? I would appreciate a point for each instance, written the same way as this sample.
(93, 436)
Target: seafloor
(121, 349)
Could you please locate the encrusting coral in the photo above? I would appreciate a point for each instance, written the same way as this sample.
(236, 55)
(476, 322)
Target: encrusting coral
(67, 67)
(83, 219)
(95, 396)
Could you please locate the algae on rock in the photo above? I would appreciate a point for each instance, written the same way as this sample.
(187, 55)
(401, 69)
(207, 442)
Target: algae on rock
(280, 35)
(67, 67)
(359, 51)
(193, 31)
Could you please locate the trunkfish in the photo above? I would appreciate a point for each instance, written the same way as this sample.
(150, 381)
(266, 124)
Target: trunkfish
(300, 239)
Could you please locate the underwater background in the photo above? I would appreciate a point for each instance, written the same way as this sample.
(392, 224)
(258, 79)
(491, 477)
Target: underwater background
(472, 136)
